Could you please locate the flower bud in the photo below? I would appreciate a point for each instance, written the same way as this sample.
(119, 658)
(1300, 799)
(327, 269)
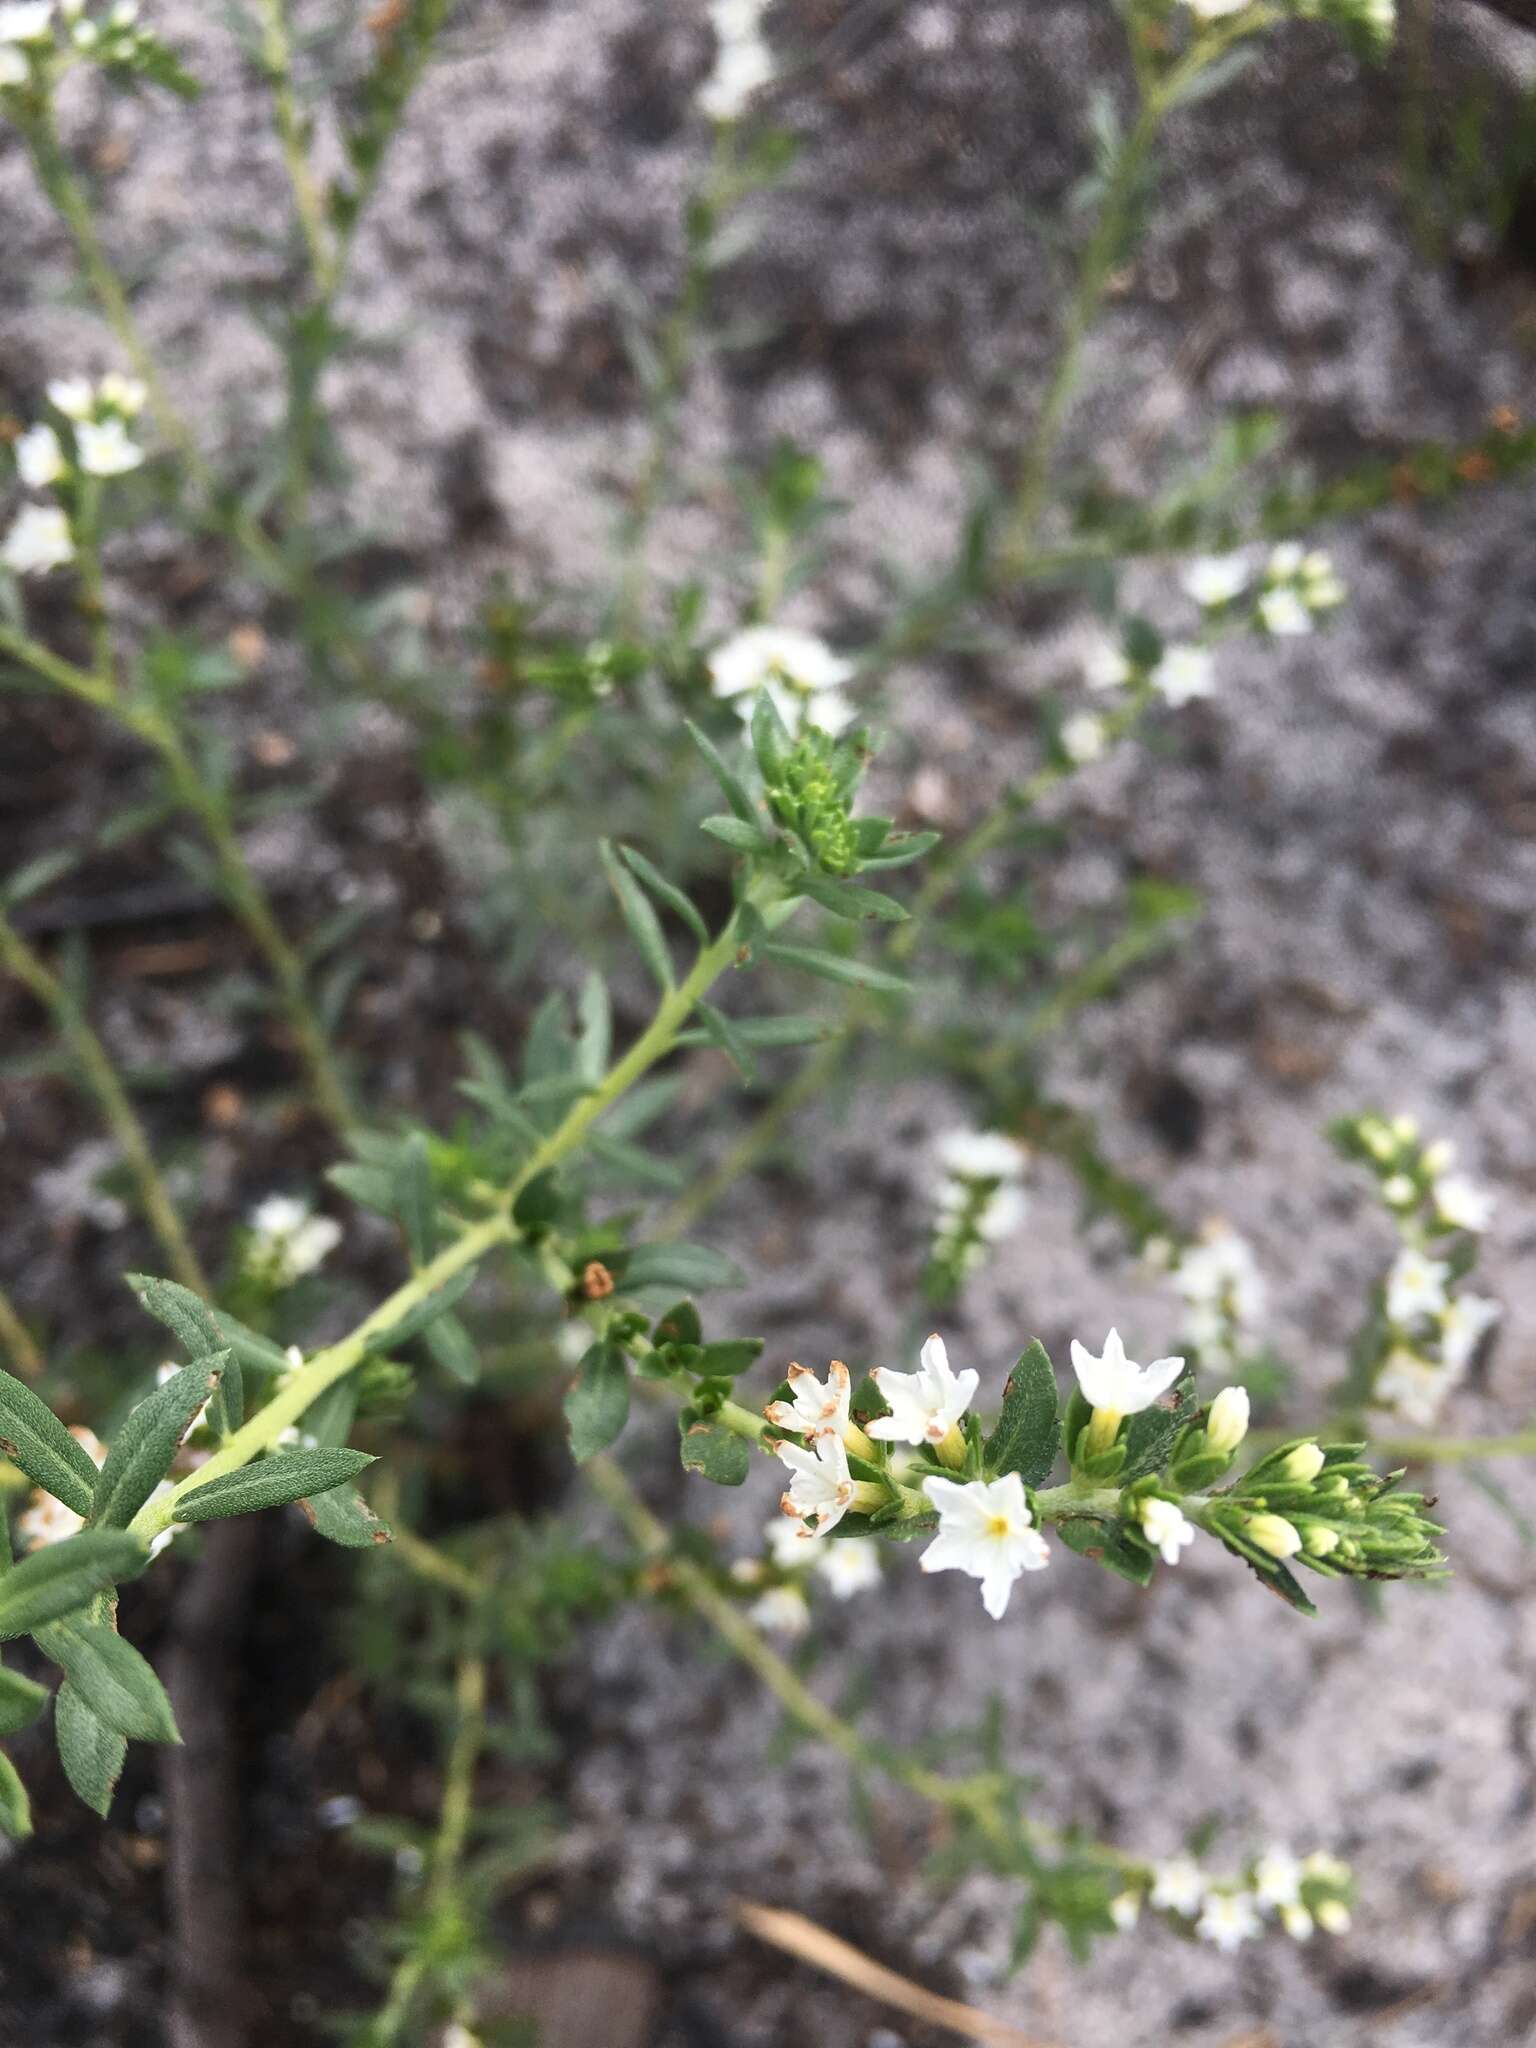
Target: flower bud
(1227, 1423)
(1273, 1535)
(1439, 1157)
(1318, 1541)
(1303, 1464)
(1333, 1916)
(1398, 1191)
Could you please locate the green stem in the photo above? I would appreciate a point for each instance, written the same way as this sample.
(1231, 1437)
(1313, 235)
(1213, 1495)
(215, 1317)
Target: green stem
(53, 668)
(101, 1078)
(309, 202)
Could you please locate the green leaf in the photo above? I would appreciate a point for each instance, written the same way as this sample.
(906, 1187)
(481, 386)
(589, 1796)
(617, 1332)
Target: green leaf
(766, 1032)
(20, 1702)
(713, 1451)
(413, 1199)
(693, 1267)
(416, 1319)
(1105, 1543)
(1152, 1434)
(665, 892)
(1283, 1582)
(729, 1356)
(848, 900)
(148, 1441)
(772, 741)
(452, 1347)
(112, 1679)
(834, 967)
(900, 850)
(737, 833)
(680, 1325)
(722, 1034)
(341, 1515)
(644, 925)
(251, 1349)
(186, 1315)
(273, 1482)
(735, 795)
(15, 1808)
(1027, 1435)
(594, 1040)
(92, 1755)
(632, 1164)
(597, 1401)
(33, 1437)
(55, 1581)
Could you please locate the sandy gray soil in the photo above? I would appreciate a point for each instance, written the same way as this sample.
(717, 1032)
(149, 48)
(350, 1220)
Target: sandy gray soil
(1359, 812)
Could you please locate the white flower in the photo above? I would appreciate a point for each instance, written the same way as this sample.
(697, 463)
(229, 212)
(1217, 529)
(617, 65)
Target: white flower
(459, 2036)
(14, 68)
(786, 1544)
(1333, 1916)
(1213, 580)
(1105, 666)
(1178, 1886)
(105, 449)
(1398, 1191)
(1125, 1911)
(1277, 1879)
(981, 1155)
(1184, 673)
(986, 1531)
(39, 458)
(26, 21)
(1326, 1867)
(1412, 1387)
(1083, 738)
(1220, 1276)
(849, 1567)
(124, 13)
(1166, 1528)
(733, 21)
(1285, 562)
(1458, 1200)
(801, 674)
(821, 1485)
(287, 1240)
(124, 394)
(1213, 10)
(782, 1610)
(926, 1405)
(742, 67)
(1462, 1328)
(39, 540)
(1227, 1423)
(1228, 1921)
(1005, 1210)
(75, 397)
(1116, 1383)
(815, 1410)
(1416, 1286)
(1297, 1922)
(1284, 614)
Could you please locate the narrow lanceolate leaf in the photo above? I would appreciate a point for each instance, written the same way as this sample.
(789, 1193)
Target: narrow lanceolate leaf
(112, 1679)
(833, 967)
(722, 1034)
(730, 783)
(597, 1401)
(594, 1036)
(644, 925)
(770, 1031)
(149, 1440)
(33, 1437)
(665, 892)
(20, 1702)
(92, 1755)
(55, 1581)
(15, 1808)
(848, 900)
(185, 1314)
(740, 834)
(453, 1349)
(255, 1352)
(691, 1267)
(1027, 1435)
(270, 1483)
(413, 1198)
(342, 1516)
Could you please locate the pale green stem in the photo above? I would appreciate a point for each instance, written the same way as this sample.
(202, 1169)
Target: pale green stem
(101, 1078)
(309, 201)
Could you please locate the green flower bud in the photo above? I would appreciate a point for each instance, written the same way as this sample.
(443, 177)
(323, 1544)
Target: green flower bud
(1303, 1464)
(1320, 1542)
(1273, 1535)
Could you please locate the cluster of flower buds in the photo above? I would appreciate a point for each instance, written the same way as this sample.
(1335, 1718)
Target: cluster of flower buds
(1296, 586)
(1217, 1279)
(30, 45)
(91, 440)
(1428, 1329)
(980, 1202)
(743, 60)
(1323, 1507)
(1300, 1893)
(287, 1241)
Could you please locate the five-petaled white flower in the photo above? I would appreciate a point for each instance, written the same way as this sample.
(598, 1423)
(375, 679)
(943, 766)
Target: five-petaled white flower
(850, 1566)
(38, 540)
(1166, 1528)
(1229, 1919)
(288, 1240)
(1277, 1879)
(104, 447)
(926, 1405)
(1412, 1387)
(1462, 1327)
(1178, 1886)
(1118, 1384)
(820, 1487)
(1184, 673)
(75, 397)
(981, 1155)
(1083, 738)
(786, 1544)
(1416, 1286)
(986, 1531)
(1462, 1203)
(26, 21)
(1284, 614)
(39, 458)
(802, 676)
(1106, 666)
(815, 1410)
(1213, 580)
